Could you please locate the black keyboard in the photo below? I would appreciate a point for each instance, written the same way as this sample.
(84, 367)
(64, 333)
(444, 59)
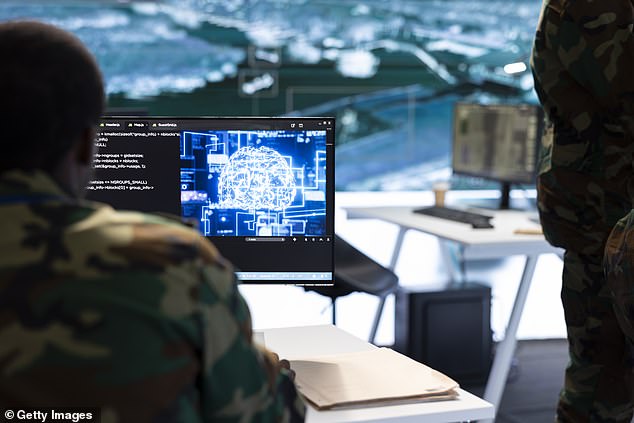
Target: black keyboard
(478, 221)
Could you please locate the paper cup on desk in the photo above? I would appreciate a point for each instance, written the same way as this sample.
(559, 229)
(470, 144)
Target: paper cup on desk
(440, 190)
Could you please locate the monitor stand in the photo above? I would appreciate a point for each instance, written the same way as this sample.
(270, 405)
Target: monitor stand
(505, 196)
(501, 203)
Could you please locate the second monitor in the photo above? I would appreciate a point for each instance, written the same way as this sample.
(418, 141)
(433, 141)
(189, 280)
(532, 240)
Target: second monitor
(497, 142)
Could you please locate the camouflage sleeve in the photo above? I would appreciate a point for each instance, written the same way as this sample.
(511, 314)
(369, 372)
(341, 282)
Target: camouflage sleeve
(618, 265)
(597, 49)
(583, 62)
(240, 382)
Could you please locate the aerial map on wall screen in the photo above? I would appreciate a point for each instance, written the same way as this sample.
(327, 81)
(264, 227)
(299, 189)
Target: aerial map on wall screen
(390, 71)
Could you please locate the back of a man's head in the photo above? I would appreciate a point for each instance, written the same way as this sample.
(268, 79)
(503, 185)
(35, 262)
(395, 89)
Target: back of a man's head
(51, 90)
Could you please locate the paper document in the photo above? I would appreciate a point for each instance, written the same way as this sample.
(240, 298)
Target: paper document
(378, 375)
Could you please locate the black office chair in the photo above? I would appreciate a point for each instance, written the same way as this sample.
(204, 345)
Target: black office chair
(356, 272)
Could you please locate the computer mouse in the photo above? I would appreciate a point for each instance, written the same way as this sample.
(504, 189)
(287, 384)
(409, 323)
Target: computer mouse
(481, 224)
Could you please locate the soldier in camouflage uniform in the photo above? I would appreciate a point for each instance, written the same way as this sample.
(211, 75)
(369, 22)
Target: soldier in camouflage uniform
(129, 312)
(583, 64)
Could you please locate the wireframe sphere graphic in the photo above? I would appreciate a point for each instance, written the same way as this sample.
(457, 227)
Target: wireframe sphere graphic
(256, 178)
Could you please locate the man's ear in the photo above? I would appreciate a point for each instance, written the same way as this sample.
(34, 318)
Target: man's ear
(86, 146)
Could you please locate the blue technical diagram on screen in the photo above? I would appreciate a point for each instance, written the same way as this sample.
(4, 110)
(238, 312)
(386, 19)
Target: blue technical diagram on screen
(254, 183)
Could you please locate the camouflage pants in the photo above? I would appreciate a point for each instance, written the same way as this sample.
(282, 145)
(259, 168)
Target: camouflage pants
(598, 383)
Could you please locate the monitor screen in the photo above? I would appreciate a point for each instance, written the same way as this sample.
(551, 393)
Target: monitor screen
(262, 189)
(497, 142)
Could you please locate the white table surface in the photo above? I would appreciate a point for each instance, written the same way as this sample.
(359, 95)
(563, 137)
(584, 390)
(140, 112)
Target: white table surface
(478, 243)
(310, 341)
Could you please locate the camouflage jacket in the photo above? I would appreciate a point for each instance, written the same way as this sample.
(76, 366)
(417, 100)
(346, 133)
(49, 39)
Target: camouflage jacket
(583, 66)
(128, 312)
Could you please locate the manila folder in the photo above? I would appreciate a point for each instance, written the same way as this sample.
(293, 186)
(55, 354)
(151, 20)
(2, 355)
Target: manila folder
(377, 375)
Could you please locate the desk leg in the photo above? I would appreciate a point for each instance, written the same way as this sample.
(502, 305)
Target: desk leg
(397, 248)
(457, 272)
(506, 348)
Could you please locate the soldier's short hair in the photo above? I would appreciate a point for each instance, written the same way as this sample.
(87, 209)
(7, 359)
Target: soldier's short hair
(51, 90)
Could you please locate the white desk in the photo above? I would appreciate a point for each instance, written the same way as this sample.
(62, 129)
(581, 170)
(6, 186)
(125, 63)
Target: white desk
(292, 343)
(499, 242)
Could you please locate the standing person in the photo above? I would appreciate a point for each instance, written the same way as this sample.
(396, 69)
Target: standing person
(132, 313)
(583, 65)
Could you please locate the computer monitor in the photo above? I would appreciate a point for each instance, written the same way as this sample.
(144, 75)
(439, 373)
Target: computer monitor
(262, 189)
(499, 142)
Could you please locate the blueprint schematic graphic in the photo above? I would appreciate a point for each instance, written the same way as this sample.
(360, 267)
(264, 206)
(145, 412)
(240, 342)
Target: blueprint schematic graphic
(254, 183)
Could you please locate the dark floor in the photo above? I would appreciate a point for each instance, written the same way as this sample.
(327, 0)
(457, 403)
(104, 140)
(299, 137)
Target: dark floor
(534, 382)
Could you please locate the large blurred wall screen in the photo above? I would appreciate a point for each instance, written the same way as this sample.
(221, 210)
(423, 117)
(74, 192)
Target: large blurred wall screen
(390, 71)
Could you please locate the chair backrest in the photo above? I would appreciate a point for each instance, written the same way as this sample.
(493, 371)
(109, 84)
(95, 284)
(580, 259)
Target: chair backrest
(356, 271)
